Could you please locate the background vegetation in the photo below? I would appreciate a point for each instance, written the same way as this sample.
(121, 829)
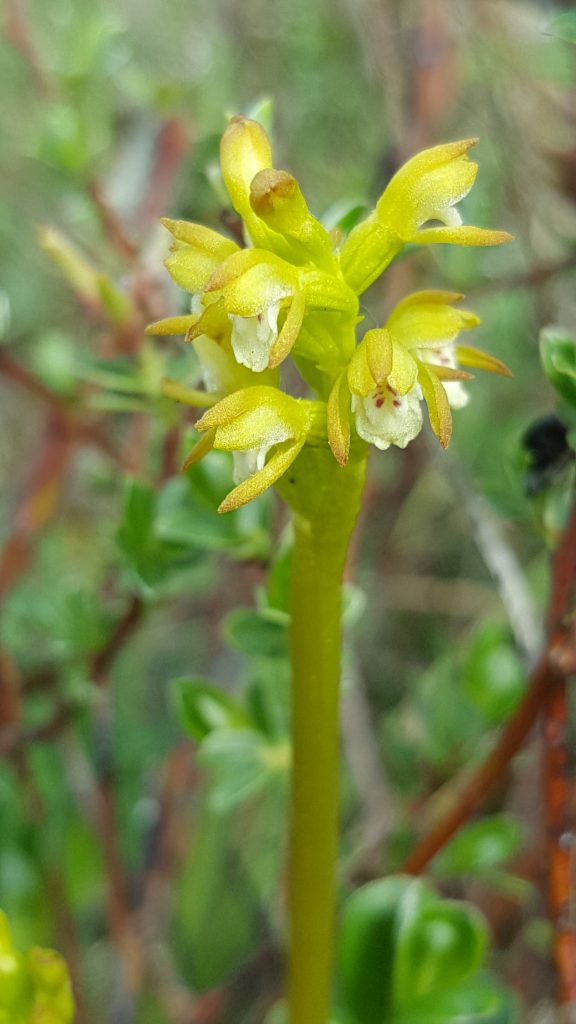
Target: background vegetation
(143, 671)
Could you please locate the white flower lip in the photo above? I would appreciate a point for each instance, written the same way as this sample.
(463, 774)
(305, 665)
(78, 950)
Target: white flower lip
(254, 336)
(385, 418)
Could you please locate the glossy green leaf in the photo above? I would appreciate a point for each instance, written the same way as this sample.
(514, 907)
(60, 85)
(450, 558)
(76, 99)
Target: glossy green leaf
(401, 943)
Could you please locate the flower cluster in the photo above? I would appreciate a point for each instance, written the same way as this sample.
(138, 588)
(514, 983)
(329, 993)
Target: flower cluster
(294, 289)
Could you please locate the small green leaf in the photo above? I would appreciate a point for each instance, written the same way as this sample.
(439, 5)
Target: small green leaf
(494, 679)
(480, 846)
(262, 634)
(240, 763)
(558, 355)
(202, 707)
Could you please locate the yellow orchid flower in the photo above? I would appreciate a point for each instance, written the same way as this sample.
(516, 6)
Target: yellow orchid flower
(293, 292)
(414, 357)
(249, 423)
(257, 287)
(426, 188)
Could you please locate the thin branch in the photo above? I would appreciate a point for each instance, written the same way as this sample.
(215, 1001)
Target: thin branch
(475, 790)
(111, 223)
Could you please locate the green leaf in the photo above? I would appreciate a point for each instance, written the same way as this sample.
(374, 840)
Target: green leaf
(480, 846)
(202, 707)
(400, 943)
(258, 633)
(216, 924)
(558, 355)
(564, 26)
(240, 763)
(494, 678)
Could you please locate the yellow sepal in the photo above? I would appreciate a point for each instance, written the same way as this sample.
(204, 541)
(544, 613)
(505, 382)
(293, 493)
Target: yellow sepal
(426, 319)
(244, 150)
(204, 445)
(478, 360)
(172, 325)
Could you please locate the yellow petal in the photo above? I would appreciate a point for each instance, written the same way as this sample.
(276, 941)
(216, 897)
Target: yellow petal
(360, 379)
(419, 321)
(244, 150)
(429, 296)
(284, 409)
(437, 402)
(338, 419)
(404, 372)
(469, 356)
(277, 464)
(200, 449)
(257, 290)
(212, 322)
(242, 261)
(379, 354)
(461, 234)
(290, 331)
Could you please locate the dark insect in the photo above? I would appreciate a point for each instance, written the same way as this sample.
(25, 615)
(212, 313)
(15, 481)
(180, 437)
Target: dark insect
(546, 442)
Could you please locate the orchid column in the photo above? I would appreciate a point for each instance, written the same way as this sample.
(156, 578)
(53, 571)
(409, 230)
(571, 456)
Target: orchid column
(293, 292)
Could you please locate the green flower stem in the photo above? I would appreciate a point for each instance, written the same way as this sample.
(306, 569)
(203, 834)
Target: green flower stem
(325, 499)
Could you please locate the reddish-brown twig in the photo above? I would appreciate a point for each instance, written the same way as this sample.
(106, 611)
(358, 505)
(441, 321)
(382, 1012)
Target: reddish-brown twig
(560, 827)
(548, 674)
(39, 502)
(111, 223)
(17, 34)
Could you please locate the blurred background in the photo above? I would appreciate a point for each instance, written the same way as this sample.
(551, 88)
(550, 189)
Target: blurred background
(143, 666)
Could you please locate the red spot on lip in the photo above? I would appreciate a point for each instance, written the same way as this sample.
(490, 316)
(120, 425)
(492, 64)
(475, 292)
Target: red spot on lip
(396, 403)
(379, 401)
